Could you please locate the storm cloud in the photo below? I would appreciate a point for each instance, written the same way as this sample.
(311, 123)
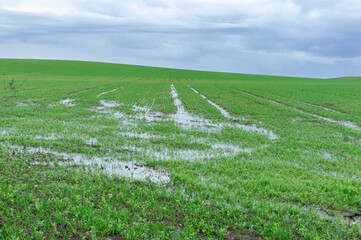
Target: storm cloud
(278, 37)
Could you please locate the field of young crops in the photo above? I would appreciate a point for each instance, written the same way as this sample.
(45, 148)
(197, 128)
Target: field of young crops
(107, 151)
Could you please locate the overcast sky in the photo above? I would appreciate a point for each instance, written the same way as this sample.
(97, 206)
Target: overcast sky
(309, 38)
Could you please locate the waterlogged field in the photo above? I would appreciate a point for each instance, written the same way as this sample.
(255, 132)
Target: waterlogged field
(106, 151)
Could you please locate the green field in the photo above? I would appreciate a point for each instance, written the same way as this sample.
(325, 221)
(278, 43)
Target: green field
(108, 151)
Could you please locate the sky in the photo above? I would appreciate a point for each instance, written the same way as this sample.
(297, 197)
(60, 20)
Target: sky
(308, 38)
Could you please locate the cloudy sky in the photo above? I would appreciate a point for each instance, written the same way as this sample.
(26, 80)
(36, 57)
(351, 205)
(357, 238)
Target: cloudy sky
(310, 38)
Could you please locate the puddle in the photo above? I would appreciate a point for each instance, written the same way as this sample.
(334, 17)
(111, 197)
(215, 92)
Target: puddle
(216, 150)
(183, 118)
(51, 137)
(134, 171)
(4, 132)
(189, 155)
(143, 113)
(128, 120)
(21, 104)
(67, 102)
(117, 115)
(110, 165)
(150, 116)
(331, 120)
(109, 104)
(101, 94)
(140, 109)
(140, 135)
(111, 114)
(27, 102)
(327, 155)
(233, 149)
(186, 121)
(341, 216)
(161, 152)
(91, 141)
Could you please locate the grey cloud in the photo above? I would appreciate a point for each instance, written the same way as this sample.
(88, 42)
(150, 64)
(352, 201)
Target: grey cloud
(325, 45)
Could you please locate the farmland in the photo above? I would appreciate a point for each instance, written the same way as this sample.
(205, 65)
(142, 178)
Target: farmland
(108, 151)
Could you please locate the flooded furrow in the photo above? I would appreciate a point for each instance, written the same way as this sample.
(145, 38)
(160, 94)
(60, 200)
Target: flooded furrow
(183, 118)
(81, 91)
(347, 124)
(103, 93)
(322, 107)
(244, 127)
(223, 111)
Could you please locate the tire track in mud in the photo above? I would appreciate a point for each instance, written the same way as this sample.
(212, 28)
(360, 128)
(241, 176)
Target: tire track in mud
(225, 113)
(103, 93)
(182, 118)
(310, 104)
(347, 124)
(81, 91)
(113, 164)
(322, 107)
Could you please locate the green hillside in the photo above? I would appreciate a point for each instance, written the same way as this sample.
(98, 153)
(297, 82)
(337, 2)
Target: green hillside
(110, 151)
